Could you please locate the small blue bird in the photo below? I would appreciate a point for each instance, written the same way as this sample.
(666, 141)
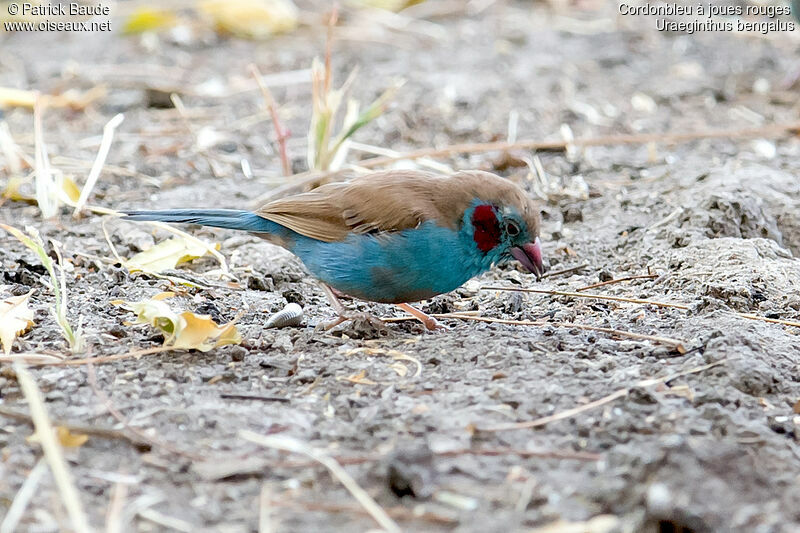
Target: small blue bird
(397, 236)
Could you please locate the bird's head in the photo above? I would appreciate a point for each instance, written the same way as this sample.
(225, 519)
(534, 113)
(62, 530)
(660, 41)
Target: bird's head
(503, 223)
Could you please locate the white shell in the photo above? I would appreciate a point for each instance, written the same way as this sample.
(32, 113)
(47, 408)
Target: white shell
(291, 315)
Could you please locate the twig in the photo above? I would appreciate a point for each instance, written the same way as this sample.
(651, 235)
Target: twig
(292, 445)
(544, 454)
(226, 396)
(52, 450)
(774, 130)
(682, 307)
(591, 296)
(23, 497)
(181, 109)
(674, 343)
(265, 521)
(114, 520)
(398, 512)
(99, 162)
(94, 431)
(92, 379)
(565, 271)
(621, 393)
(107, 358)
(281, 133)
(618, 280)
(332, 20)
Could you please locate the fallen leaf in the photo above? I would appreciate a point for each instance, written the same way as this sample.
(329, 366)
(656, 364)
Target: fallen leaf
(12, 190)
(69, 439)
(184, 330)
(15, 319)
(65, 437)
(167, 254)
(251, 19)
(148, 18)
(359, 379)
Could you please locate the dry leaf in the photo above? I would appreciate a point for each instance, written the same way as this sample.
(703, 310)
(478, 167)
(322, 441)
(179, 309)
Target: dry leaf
(251, 19)
(12, 190)
(167, 254)
(15, 319)
(148, 18)
(69, 439)
(360, 379)
(184, 330)
(66, 438)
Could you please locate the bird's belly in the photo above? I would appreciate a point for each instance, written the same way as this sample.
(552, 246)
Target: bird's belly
(393, 268)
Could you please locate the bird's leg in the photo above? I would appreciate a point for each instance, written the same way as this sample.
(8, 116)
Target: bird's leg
(342, 312)
(428, 321)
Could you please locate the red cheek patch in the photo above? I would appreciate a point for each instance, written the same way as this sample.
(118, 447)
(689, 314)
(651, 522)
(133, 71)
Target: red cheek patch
(486, 227)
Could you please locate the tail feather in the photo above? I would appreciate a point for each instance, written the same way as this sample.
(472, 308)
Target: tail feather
(217, 218)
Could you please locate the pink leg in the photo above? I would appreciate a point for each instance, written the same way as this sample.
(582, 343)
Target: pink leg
(342, 312)
(428, 321)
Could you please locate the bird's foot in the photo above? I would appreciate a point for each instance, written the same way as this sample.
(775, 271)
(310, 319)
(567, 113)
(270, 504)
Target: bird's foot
(430, 323)
(360, 320)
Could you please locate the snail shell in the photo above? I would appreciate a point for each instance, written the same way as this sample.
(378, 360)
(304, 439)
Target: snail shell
(291, 315)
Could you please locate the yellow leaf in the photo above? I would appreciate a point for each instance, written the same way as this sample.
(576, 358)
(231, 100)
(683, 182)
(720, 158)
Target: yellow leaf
(69, 439)
(71, 189)
(186, 330)
(147, 18)
(167, 254)
(200, 332)
(12, 191)
(15, 319)
(251, 19)
(65, 437)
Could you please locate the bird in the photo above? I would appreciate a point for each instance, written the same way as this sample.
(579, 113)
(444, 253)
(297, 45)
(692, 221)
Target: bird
(395, 236)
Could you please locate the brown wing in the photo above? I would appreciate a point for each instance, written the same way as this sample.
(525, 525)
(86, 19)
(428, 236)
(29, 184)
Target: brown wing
(393, 200)
(384, 201)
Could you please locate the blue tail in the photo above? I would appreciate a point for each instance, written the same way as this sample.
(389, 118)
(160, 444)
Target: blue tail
(217, 218)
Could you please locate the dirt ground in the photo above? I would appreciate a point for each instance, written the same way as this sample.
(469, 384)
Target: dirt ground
(716, 221)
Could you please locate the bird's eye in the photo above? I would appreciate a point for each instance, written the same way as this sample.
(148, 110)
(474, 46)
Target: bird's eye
(512, 229)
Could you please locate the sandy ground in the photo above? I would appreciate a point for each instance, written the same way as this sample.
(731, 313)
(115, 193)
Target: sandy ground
(421, 420)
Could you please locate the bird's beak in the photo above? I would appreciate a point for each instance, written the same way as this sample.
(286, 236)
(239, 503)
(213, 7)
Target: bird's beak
(530, 255)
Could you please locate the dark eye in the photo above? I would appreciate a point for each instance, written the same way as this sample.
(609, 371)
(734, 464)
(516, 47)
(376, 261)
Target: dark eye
(512, 229)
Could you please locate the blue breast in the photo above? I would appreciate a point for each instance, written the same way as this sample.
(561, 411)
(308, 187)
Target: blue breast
(406, 266)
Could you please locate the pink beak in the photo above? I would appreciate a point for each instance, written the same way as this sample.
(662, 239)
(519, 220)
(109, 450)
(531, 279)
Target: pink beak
(530, 255)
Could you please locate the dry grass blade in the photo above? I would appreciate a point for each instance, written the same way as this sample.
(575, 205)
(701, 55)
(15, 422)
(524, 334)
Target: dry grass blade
(621, 393)
(591, 296)
(292, 445)
(48, 188)
(99, 162)
(23, 497)
(775, 130)
(281, 133)
(265, 521)
(563, 271)
(617, 280)
(52, 450)
(682, 307)
(94, 431)
(676, 344)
